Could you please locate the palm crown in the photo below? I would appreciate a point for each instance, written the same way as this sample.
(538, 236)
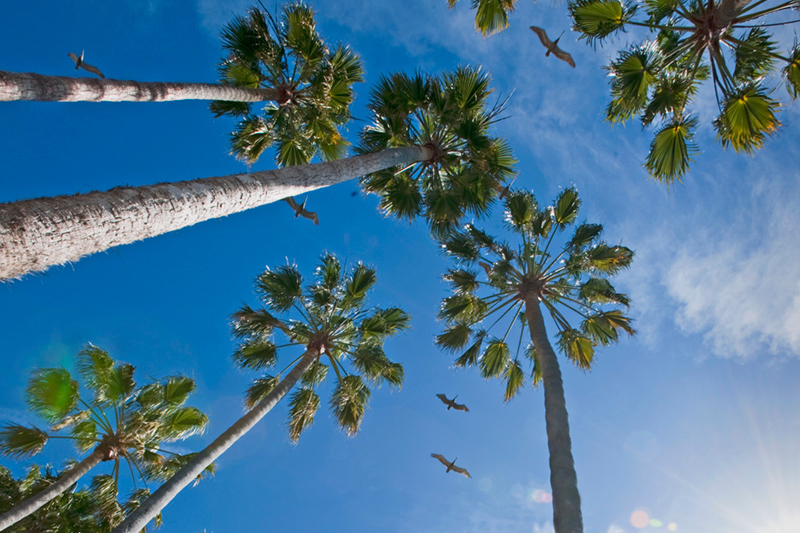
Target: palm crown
(331, 322)
(693, 41)
(569, 281)
(312, 86)
(119, 421)
(450, 116)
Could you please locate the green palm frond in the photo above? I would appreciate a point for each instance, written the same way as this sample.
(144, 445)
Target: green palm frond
(303, 405)
(633, 74)
(566, 207)
(514, 378)
(349, 401)
(255, 355)
(52, 394)
(791, 72)
(280, 287)
(19, 441)
(383, 323)
(86, 434)
(182, 423)
(577, 347)
(372, 363)
(609, 259)
(463, 281)
(463, 308)
(495, 359)
(454, 338)
(259, 389)
(461, 246)
(660, 9)
(585, 235)
(671, 150)
(747, 118)
(177, 389)
(316, 374)
(254, 323)
(536, 371)
(669, 97)
(597, 19)
(754, 55)
(600, 290)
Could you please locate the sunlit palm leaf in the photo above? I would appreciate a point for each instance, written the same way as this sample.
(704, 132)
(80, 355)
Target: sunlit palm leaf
(596, 19)
(671, 150)
(52, 394)
(754, 56)
(748, 116)
(495, 359)
(348, 402)
(358, 284)
(577, 347)
(280, 287)
(259, 389)
(514, 378)
(19, 441)
(791, 72)
(303, 405)
(255, 355)
(316, 374)
(182, 423)
(566, 208)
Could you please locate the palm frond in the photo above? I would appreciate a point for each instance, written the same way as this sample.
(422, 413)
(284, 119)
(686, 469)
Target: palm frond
(259, 389)
(280, 287)
(495, 359)
(52, 394)
(19, 441)
(671, 150)
(303, 405)
(348, 402)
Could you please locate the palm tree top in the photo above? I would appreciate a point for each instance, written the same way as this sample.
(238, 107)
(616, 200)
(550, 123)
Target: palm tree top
(117, 419)
(567, 275)
(451, 116)
(311, 86)
(491, 16)
(727, 41)
(330, 319)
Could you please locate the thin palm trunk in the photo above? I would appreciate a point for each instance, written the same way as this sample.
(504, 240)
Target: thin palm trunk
(39, 233)
(727, 11)
(138, 519)
(567, 516)
(30, 86)
(65, 481)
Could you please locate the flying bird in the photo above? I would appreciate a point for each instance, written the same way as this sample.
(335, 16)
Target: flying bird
(80, 63)
(451, 465)
(552, 46)
(452, 403)
(301, 211)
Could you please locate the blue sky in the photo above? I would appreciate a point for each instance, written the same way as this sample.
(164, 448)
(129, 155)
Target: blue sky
(694, 421)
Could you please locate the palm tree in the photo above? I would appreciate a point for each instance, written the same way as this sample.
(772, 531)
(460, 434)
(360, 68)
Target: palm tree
(519, 283)
(438, 159)
(119, 421)
(658, 78)
(491, 16)
(450, 116)
(313, 86)
(331, 324)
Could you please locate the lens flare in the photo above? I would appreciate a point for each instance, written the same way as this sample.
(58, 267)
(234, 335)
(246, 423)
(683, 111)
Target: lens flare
(640, 519)
(540, 496)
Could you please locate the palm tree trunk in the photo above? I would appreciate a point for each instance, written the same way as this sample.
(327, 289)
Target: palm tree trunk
(67, 479)
(30, 86)
(567, 516)
(148, 510)
(36, 234)
(726, 11)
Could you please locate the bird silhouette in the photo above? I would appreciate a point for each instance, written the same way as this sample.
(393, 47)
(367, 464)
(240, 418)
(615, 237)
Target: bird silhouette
(452, 403)
(451, 465)
(552, 46)
(80, 63)
(301, 211)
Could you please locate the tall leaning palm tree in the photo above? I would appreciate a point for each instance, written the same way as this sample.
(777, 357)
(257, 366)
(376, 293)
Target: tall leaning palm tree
(251, 40)
(333, 327)
(729, 41)
(443, 146)
(119, 422)
(519, 285)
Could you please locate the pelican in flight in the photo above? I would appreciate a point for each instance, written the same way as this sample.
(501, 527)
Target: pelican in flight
(301, 211)
(80, 63)
(452, 403)
(451, 465)
(552, 46)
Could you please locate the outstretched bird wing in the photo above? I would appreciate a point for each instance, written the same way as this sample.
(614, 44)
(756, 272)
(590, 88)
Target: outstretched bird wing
(460, 407)
(441, 458)
(460, 470)
(444, 399)
(542, 36)
(80, 63)
(301, 211)
(552, 47)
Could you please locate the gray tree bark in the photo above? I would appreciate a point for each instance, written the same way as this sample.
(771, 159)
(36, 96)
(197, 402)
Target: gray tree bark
(148, 510)
(30, 86)
(67, 479)
(567, 517)
(36, 234)
(726, 11)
